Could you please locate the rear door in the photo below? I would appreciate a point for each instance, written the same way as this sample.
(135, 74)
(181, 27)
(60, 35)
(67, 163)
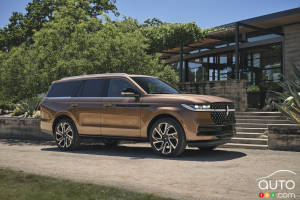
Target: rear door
(86, 107)
(120, 115)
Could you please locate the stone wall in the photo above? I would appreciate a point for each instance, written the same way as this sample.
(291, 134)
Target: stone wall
(284, 137)
(291, 48)
(22, 128)
(235, 90)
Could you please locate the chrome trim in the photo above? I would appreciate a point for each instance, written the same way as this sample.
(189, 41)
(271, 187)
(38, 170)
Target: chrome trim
(207, 110)
(84, 97)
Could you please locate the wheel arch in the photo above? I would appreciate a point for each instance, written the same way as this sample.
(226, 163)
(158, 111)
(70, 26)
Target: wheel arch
(160, 116)
(58, 118)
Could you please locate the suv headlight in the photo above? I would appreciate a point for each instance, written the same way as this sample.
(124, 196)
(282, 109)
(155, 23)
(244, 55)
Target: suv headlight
(197, 107)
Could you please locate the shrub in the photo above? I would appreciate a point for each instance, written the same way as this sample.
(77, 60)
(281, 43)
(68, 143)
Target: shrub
(291, 98)
(5, 105)
(27, 106)
(253, 88)
(18, 111)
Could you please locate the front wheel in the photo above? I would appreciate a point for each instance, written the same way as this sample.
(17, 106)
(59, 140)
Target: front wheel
(66, 135)
(167, 137)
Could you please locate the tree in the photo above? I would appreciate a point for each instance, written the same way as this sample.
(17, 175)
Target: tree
(74, 45)
(164, 36)
(22, 26)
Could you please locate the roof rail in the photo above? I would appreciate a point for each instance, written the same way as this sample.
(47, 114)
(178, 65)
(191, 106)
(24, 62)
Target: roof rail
(96, 75)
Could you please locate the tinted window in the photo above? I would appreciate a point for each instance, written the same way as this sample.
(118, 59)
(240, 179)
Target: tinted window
(64, 89)
(93, 88)
(117, 85)
(154, 85)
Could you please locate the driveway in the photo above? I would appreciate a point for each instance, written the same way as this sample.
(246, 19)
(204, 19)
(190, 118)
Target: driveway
(219, 174)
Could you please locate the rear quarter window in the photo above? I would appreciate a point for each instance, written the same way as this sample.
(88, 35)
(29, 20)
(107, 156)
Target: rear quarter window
(64, 89)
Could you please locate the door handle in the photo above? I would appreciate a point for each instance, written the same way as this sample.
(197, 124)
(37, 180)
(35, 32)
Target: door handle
(74, 105)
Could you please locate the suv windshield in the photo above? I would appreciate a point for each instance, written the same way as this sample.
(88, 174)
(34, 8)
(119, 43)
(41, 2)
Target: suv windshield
(154, 85)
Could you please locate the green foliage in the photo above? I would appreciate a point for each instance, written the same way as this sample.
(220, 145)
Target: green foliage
(18, 185)
(18, 112)
(253, 88)
(164, 36)
(22, 26)
(291, 97)
(27, 106)
(73, 43)
(267, 108)
(5, 105)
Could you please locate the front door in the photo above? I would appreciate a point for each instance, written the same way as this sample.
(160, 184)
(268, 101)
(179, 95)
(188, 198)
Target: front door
(120, 115)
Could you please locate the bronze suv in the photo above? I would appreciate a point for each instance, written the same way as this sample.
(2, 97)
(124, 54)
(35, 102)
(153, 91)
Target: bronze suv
(114, 107)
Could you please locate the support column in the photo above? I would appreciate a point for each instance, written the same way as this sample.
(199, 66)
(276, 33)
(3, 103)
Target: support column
(237, 60)
(181, 62)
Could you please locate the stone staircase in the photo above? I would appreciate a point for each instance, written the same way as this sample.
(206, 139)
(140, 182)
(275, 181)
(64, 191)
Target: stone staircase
(251, 128)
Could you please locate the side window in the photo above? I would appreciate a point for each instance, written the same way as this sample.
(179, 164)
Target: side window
(117, 85)
(64, 89)
(93, 88)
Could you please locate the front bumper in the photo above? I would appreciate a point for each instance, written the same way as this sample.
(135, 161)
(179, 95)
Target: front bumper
(215, 130)
(209, 143)
(216, 135)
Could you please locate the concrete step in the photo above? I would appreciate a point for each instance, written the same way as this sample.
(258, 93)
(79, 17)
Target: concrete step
(249, 141)
(244, 146)
(249, 135)
(255, 117)
(250, 125)
(259, 113)
(264, 121)
(251, 130)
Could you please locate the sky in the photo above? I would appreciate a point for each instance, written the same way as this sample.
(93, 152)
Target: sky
(205, 13)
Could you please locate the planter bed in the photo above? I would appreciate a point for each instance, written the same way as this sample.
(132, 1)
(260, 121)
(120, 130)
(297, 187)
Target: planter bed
(284, 137)
(22, 128)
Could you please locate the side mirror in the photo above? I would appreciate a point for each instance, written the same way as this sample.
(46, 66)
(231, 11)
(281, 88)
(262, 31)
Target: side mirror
(129, 92)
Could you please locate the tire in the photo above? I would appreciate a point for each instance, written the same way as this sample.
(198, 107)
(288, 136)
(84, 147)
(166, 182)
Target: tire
(167, 137)
(66, 135)
(207, 148)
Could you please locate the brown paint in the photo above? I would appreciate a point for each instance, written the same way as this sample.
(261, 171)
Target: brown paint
(126, 116)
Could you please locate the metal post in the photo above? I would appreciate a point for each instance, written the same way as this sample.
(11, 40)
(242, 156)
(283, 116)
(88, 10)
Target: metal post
(181, 61)
(237, 62)
(282, 56)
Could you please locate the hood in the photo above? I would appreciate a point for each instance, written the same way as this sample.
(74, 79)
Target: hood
(185, 98)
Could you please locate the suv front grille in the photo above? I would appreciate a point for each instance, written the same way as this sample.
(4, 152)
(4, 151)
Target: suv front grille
(222, 117)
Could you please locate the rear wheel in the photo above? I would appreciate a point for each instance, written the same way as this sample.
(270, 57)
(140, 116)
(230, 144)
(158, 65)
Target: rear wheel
(66, 135)
(167, 137)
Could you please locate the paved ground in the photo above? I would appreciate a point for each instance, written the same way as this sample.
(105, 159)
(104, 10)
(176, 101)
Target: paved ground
(220, 174)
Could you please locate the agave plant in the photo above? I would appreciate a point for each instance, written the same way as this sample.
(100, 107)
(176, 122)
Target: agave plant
(291, 97)
(27, 107)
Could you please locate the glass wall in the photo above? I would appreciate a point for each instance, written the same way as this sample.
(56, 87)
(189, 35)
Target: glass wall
(259, 65)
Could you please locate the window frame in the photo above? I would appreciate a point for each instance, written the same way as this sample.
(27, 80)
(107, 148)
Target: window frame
(81, 88)
(128, 80)
(63, 82)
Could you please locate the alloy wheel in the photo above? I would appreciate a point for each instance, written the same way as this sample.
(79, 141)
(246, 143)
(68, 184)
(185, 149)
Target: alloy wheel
(165, 138)
(64, 135)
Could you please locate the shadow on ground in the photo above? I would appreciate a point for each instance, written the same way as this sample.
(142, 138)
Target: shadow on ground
(146, 153)
(134, 152)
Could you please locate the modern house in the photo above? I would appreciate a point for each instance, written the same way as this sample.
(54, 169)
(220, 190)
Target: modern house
(266, 47)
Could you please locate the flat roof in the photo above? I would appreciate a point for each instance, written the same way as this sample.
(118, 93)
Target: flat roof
(268, 21)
